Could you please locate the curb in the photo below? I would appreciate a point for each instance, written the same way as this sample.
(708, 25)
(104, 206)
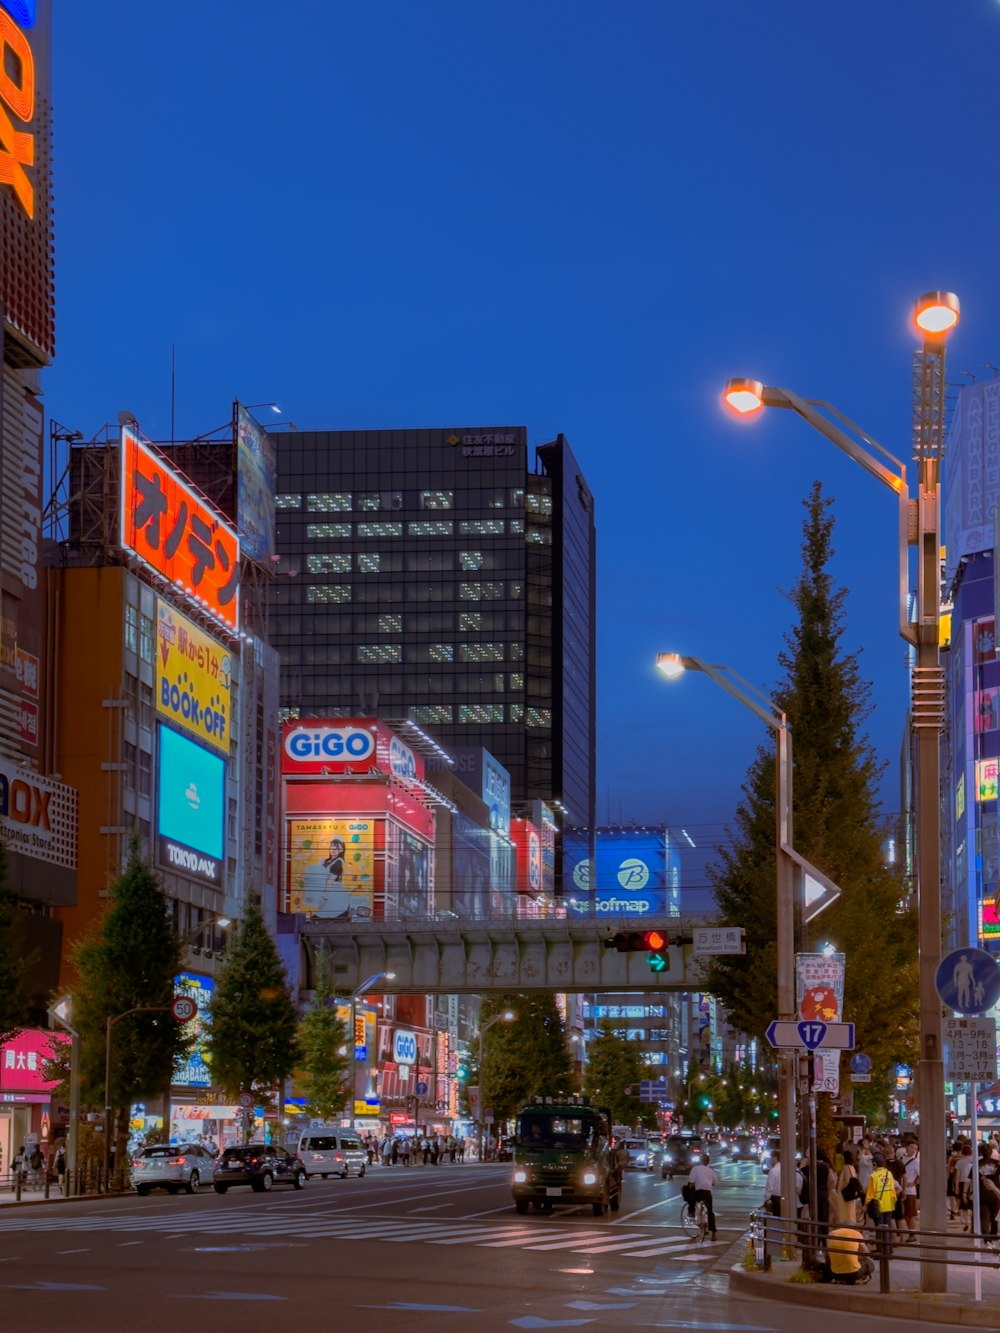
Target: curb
(828, 1296)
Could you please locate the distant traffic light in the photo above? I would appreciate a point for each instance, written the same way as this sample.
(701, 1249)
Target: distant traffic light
(654, 943)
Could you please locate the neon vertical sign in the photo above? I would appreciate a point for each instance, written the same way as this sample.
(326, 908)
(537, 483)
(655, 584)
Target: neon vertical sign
(17, 106)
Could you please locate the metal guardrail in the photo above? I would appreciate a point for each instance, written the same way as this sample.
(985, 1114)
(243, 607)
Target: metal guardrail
(773, 1237)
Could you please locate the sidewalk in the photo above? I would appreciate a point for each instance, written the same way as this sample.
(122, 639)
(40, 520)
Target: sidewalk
(956, 1306)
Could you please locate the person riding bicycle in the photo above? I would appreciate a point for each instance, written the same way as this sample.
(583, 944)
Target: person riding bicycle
(704, 1180)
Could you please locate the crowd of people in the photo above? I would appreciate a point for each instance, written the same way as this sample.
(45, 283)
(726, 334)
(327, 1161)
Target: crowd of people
(414, 1149)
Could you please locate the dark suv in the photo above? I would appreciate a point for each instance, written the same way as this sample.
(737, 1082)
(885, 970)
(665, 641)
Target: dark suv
(680, 1153)
(258, 1165)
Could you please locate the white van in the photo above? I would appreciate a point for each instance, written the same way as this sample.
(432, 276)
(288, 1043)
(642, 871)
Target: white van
(331, 1151)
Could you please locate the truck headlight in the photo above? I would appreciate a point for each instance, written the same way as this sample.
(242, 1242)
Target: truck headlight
(590, 1177)
(520, 1177)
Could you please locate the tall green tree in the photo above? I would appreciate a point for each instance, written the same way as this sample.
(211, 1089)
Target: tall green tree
(326, 1050)
(13, 1001)
(836, 826)
(524, 1057)
(615, 1069)
(254, 1020)
(128, 962)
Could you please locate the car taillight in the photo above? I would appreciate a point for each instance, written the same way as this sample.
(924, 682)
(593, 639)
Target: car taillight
(177, 1161)
(340, 1156)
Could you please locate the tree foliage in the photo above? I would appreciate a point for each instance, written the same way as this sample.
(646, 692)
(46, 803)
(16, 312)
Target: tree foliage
(524, 1057)
(326, 1049)
(128, 962)
(254, 1020)
(13, 1001)
(615, 1069)
(835, 826)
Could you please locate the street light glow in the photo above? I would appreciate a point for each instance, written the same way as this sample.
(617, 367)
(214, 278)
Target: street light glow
(936, 312)
(744, 396)
(670, 664)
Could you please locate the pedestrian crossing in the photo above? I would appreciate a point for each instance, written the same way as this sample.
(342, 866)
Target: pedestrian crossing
(305, 1224)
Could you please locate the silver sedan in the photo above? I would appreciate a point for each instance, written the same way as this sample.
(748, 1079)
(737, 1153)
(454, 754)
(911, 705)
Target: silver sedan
(184, 1167)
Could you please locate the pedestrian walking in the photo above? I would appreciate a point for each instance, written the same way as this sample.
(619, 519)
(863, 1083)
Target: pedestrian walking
(847, 1193)
(61, 1168)
(880, 1201)
(911, 1188)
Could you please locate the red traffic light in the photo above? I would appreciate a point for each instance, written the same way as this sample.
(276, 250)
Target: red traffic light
(638, 941)
(655, 939)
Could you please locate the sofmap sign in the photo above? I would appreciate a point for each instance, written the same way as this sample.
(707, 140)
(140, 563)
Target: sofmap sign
(630, 875)
(193, 678)
(176, 533)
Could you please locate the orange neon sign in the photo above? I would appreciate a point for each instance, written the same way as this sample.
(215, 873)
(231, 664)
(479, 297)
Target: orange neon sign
(17, 95)
(177, 533)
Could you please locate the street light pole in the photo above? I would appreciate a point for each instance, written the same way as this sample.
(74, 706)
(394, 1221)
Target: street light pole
(672, 665)
(507, 1016)
(352, 1043)
(109, 1027)
(935, 315)
(61, 1012)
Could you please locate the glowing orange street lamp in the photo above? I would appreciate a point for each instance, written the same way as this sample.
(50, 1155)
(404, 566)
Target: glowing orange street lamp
(936, 313)
(744, 396)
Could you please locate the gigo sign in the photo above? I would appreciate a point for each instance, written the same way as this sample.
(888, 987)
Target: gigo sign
(318, 746)
(404, 1047)
(402, 763)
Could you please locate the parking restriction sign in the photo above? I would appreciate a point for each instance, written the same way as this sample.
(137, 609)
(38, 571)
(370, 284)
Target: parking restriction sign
(970, 1050)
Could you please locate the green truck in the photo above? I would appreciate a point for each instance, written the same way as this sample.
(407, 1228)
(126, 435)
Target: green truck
(564, 1153)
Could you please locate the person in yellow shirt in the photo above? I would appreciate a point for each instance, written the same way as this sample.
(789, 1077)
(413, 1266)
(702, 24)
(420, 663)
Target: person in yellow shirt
(847, 1255)
(880, 1198)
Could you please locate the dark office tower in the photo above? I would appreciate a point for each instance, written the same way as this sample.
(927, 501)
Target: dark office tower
(429, 575)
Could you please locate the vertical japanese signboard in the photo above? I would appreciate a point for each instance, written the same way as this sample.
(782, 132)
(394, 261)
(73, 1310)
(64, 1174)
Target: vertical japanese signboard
(176, 532)
(256, 484)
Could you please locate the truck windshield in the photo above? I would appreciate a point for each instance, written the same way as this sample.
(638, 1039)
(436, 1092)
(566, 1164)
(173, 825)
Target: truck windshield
(537, 1130)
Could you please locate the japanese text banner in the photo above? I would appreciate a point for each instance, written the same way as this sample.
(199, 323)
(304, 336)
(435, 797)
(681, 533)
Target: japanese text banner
(177, 533)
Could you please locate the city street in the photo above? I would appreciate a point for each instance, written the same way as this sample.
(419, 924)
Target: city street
(425, 1249)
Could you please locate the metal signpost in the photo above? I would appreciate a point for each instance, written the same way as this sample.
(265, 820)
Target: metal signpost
(968, 980)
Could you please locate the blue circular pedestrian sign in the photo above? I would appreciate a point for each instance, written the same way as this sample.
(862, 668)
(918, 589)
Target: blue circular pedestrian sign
(968, 981)
(861, 1063)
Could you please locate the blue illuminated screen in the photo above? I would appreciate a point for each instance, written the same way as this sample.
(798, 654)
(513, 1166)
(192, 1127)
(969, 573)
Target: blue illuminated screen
(192, 793)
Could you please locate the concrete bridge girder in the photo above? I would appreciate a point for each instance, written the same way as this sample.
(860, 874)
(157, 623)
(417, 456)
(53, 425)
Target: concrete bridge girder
(478, 957)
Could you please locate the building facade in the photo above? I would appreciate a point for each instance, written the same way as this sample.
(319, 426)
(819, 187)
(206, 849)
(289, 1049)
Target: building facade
(430, 575)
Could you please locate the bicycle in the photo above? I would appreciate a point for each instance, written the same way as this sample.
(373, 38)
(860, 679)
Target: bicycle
(695, 1224)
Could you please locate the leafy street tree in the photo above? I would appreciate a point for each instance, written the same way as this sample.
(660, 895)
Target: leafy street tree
(525, 1057)
(615, 1069)
(13, 1002)
(326, 1051)
(836, 826)
(254, 1021)
(128, 962)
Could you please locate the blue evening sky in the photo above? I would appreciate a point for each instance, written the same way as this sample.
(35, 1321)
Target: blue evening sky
(576, 216)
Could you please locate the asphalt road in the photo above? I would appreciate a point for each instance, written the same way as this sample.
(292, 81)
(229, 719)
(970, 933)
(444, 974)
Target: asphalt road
(425, 1250)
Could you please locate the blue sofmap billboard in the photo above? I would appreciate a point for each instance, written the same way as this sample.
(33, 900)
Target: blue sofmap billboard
(636, 873)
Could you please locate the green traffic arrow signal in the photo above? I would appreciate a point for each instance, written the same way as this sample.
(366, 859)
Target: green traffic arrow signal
(658, 962)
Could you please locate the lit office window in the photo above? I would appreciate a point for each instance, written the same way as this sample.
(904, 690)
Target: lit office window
(147, 638)
(515, 651)
(380, 652)
(538, 504)
(480, 713)
(325, 502)
(441, 652)
(380, 529)
(539, 717)
(481, 527)
(470, 560)
(516, 589)
(517, 680)
(517, 712)
(431, 713)
(328, 592)
(328, 564)
(496, 500)
(517, 498)
(320, 530)
(437, 499)
(369, 563)
(480, 652)
(131, 627)
(389, 501)
(517, 525)
(487, 591)
(439, 527)
(540, 536)
(288, 502)
(390, 624)
(498, 682)
(470, 621)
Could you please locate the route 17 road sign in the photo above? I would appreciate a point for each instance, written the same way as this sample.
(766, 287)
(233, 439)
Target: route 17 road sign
(812, 1035)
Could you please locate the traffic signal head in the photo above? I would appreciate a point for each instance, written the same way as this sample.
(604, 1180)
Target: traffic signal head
(638, 941)
(657, 942)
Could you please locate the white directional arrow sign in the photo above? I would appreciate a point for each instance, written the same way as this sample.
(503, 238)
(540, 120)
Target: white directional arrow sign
(832, 1037)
